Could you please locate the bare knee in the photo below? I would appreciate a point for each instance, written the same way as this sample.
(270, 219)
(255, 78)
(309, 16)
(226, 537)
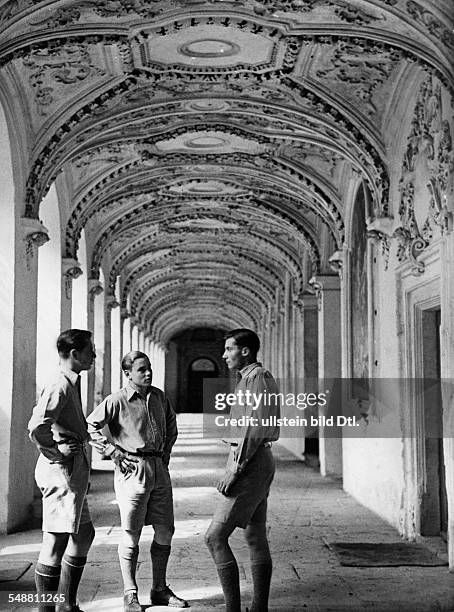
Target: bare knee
(80, 542)
(215, 538)
(255, 534)
(163, 534)
(130, 537)
(53, 548)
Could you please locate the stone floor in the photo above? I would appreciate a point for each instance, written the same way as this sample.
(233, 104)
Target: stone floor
(305, 513)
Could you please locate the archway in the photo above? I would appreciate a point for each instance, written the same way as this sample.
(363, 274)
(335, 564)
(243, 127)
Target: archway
(200, 369)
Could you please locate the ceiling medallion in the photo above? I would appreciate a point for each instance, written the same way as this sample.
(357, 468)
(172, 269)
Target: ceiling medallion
(205, 142)
(207, 48)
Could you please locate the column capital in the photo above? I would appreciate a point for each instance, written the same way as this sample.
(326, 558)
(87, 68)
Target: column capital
(94, 287)
(71, 268)
(111, 302)
(336, 262)
(325, 282)
(34, 236)
(124, 313)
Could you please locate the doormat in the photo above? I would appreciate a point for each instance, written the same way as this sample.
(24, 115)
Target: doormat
(13, 572)
(370, 554)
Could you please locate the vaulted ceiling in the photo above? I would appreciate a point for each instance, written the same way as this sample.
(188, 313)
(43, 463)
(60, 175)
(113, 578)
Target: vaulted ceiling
(204, 146)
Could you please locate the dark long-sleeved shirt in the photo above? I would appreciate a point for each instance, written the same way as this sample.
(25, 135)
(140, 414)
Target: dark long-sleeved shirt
(135, 423)
(264, 408)
(57, 416)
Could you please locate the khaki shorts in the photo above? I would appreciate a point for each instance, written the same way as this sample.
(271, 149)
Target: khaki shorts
(145, 496)
(64, 488)
(247, 500)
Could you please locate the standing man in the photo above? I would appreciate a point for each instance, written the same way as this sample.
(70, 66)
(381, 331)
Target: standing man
(59, 430)
(248, 475)
(143, 427)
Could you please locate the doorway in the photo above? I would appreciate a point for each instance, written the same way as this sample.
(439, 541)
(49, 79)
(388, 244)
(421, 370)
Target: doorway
(200, 369)
(434, 506)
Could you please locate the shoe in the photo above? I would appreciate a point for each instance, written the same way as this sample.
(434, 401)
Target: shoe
(131, 603)
(167, 597)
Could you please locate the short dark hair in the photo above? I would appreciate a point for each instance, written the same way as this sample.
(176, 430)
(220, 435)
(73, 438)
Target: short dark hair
(129, 358)
(72, 339)
(245, 338)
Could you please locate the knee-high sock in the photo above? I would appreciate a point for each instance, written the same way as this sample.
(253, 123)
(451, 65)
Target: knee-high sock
(71, 573)
(230, 582)
(128, 556)
(261, 578)
(47, 578)
(159, 557)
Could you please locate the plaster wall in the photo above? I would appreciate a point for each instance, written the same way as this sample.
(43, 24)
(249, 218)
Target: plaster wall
(49, 293)
(6, 308)
(382, 470)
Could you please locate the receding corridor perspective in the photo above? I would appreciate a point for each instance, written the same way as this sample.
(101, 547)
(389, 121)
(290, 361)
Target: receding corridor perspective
(174, 169)
(307, 514)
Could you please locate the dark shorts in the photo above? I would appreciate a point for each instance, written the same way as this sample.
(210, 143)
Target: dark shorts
(145, 496)
(64, 488)
(247, 500)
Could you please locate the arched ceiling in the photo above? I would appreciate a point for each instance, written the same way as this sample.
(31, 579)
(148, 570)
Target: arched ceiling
(203, 146)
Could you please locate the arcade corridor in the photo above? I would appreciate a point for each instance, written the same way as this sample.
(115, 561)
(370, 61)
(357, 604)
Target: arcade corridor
(172, 169)
(307, 513)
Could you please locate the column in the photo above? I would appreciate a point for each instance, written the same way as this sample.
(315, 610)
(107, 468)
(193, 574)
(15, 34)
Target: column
(327, 289)
(20, 454)
(447, 367)
(70, 270)
(110, 304)
(94, 289)
(134, 335)
(115, 339)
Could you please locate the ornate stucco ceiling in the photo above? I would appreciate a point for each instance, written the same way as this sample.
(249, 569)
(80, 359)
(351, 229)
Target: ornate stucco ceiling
(204, 146)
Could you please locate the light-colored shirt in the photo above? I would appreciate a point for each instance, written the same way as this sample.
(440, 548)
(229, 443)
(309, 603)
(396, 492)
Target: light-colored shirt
(135, 423)
(264, 408)
(57, 416)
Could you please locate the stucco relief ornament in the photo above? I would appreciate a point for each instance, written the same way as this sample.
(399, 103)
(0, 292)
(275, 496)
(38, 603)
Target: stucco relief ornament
(35, 235)
(429, 139)
(71, 270)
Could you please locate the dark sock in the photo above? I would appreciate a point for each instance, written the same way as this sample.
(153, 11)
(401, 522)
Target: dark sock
(261, 579)
(128, 556)
(159, 557)
(71, 573)
(47, 578)
(230, 582)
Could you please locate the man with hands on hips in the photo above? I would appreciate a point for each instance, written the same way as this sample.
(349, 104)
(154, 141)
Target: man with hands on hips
(143, 428)
(59, 430)
(248, 475)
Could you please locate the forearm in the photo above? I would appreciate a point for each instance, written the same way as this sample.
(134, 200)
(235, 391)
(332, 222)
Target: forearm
(41, 436)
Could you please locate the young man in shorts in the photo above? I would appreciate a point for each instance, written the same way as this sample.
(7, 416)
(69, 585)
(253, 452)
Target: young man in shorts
(248, 476)
(59, 430)
(143, 428)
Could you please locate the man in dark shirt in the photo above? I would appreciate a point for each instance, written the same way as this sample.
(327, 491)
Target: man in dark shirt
(59, 430)
(249, 473)
(143, 428)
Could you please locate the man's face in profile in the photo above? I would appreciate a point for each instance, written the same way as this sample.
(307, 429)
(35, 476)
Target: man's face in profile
(234, 355)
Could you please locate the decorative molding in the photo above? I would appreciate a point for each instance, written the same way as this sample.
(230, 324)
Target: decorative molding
(94, 288)
(430, 138)
(35, 235)
(71, 270)
(336, 263)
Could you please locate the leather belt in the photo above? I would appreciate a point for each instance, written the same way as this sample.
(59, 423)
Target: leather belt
(264, 444)
(140, 453)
